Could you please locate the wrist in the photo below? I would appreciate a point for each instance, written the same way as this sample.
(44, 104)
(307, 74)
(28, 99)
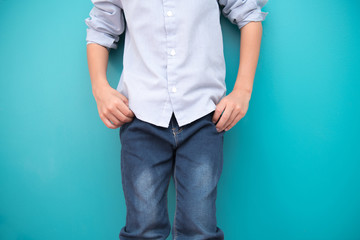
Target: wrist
(99, 87)
(245, 91)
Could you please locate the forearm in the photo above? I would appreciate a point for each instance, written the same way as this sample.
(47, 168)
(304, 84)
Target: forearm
(250, 42)
(97, 57)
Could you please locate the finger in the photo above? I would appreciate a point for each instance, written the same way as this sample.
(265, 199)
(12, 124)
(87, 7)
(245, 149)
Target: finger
(120, 116)
(232, 124)
(231, 118)
(113, 114)
(218, 111)
(224, 118)
(115, 121)
(125, 110)
(108, 123)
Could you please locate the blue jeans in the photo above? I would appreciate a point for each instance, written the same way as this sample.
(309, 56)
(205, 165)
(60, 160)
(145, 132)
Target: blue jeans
(150, 155)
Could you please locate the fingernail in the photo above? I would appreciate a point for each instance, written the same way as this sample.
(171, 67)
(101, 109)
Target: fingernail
(218, 129)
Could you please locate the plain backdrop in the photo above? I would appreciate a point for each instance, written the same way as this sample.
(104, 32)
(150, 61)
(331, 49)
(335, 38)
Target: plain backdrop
(291, 165)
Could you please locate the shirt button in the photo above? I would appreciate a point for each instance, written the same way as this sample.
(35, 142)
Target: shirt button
(169, 13)
(172, 52)
(173, 89)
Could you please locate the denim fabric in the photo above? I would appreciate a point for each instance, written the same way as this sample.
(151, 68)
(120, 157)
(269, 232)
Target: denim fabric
(150, 155)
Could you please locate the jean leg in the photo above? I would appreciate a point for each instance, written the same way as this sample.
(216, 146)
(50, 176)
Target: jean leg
(198, 166)
(146, 167)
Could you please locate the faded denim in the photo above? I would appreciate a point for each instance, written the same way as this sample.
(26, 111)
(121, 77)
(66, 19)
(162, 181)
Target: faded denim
(150, 155)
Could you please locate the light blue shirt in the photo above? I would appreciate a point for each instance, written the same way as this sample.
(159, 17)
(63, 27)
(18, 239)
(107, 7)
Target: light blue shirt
(173, 57)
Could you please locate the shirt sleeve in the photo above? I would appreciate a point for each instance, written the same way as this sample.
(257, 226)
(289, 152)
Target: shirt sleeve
(106, 23)
(241, 12)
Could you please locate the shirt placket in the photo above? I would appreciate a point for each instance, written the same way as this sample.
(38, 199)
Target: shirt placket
(170, 27)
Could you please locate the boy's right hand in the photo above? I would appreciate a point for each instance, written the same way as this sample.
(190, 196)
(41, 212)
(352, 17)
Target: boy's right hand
(113, 107)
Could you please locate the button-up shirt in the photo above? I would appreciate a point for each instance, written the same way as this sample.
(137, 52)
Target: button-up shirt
(173, 59)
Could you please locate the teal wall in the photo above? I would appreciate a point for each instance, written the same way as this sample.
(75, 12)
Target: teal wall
(291, 167)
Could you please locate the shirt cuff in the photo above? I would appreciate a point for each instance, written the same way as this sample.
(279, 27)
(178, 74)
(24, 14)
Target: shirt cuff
(100, 38)
(256, 16)
(250, 11)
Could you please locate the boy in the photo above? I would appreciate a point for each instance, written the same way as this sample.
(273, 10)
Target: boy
(170, 104)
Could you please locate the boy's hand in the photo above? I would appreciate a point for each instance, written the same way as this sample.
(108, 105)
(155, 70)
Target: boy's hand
(113, 107)
(234, 107)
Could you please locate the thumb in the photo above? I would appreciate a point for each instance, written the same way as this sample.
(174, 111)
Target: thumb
(218, 111)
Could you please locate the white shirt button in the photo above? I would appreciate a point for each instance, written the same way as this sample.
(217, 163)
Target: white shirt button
(173, 89)
(172, 52)
(169, 13)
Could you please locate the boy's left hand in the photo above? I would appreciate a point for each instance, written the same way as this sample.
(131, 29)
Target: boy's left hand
(234, 107)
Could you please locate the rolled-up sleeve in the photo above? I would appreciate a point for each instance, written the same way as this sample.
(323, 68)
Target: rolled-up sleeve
(241, 12)
(106, 23)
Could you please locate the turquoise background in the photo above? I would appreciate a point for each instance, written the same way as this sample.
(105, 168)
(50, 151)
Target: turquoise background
(291, 165)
